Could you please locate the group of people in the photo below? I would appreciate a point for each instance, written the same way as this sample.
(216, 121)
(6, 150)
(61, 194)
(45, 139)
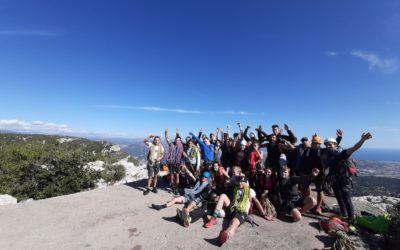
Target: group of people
(229, 176)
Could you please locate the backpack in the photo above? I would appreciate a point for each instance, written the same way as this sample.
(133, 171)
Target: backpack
(333, 224)
(269, 209)
(344, 172)
(350, 167)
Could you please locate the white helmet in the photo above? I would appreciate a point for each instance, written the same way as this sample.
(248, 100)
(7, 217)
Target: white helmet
(330, 140)
(243, 143)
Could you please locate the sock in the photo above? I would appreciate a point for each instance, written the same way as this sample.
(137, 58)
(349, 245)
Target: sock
(215, 214)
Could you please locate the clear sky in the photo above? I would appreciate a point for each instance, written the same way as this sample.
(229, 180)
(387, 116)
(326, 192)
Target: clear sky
(129, 68)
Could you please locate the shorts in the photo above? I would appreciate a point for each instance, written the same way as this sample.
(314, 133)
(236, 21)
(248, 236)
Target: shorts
(153, 169)
(240, 216)
(235, 214)
(294, 204)
(197, 200)
(173, 168)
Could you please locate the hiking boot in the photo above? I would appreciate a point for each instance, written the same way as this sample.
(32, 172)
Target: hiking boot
(185, 219)
(317, 210)
(223, 237)
(147, 191)
(179, 214)
(211, 223)
(155, 190)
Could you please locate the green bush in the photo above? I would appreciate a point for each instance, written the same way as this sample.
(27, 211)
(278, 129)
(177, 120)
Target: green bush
(38, 167)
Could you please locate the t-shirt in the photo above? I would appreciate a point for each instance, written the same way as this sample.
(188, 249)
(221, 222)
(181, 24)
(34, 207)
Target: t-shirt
(156, 151)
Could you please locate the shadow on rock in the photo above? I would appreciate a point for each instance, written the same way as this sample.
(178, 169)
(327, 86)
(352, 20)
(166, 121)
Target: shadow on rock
(213, 241)
(315, 225)
(172, 219)
(142, 184)
(326, 239)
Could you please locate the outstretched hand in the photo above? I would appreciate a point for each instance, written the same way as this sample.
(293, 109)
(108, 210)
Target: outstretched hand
(339, 133)
(366, 136)
(286, 126)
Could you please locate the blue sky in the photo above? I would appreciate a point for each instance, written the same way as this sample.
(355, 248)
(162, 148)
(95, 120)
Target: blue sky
(129, 68)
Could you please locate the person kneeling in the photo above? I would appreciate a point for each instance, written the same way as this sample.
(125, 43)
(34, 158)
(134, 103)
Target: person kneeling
(289, 194)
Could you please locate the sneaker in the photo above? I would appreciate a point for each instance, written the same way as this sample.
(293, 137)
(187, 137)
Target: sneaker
(185, 219)
(179, 214)
(223, 237)
(147, 191)
(211, 223)
(155, 190)
(317, 210)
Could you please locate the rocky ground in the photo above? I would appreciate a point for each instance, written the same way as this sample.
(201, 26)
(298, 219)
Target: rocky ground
(119, 217)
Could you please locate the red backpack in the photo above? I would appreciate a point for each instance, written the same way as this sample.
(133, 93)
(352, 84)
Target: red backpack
(334, 224)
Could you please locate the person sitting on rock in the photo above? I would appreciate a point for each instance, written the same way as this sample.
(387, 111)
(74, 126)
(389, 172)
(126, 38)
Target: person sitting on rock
(192, 197)
(238, 208)
(288, 194)
(220, 176)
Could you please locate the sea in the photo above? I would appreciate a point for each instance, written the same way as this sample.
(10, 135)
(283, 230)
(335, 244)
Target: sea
(392, 155)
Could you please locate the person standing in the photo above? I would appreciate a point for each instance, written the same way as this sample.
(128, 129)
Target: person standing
(175, 159)
(154, 157)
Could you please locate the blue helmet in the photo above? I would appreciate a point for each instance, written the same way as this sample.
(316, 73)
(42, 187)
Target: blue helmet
(206, 174)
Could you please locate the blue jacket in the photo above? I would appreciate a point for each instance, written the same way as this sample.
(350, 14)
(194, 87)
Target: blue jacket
(207, 151)
(192, 193)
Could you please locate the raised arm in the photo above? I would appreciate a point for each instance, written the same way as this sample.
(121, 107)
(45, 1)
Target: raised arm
(200, 142)
(291, 138)
(166, 136)
(262, 136)
(364, 137)
(339, 136)
(245, 133)
(240, 129)
(200, 133)
(147, 139)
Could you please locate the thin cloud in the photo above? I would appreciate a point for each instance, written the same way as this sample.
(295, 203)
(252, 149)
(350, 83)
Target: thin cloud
(387, 66)
(49, 128)
(234, 113)
(25, 32)
(183, 111)
(34, 127)
(178, 110)
(331, 53)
